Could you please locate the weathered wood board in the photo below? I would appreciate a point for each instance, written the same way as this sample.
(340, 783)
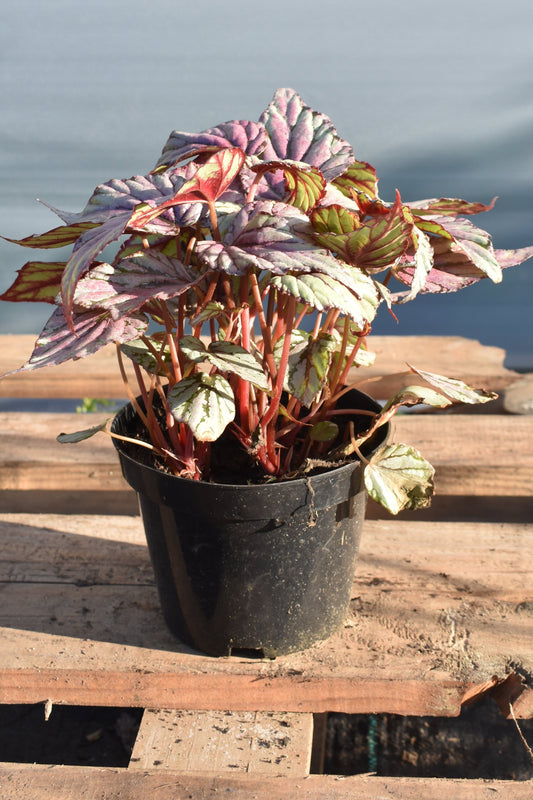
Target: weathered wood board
(436, 608)
(77, 783)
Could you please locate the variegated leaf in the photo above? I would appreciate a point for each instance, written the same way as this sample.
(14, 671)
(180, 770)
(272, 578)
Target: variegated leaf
(89, 245)
(248, 136)
(448, 205)
(298, 133)
(230, 357)
(57, 237)
(209, 181)
(139, 352)
(323, 293)
(359, 177)
(414, 395)
(193, 348)
(203, 402)
(308, 366)
(399, 478)
(118, 196)
(94, 330)
(36, 282)
(455, 389)
(423, 264)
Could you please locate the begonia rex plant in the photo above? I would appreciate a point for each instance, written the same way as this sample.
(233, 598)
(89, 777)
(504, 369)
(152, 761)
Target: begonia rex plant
(249, 268)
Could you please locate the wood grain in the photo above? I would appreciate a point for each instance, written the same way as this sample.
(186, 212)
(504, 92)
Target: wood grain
(436, 608)
(98, 375)
(89, 783)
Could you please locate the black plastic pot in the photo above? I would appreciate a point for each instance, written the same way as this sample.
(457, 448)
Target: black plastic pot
(251, 569)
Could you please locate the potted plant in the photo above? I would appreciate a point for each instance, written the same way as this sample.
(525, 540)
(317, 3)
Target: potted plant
(247, 270)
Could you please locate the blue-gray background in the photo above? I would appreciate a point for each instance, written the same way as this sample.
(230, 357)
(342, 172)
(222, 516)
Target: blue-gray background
(437, 96)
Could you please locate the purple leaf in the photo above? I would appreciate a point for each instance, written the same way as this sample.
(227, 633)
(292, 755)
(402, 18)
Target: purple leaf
(118, 196)
(264, 235)
(88, 247)
(126, 287)
(94, 330)
(298, 133)
(248, 136)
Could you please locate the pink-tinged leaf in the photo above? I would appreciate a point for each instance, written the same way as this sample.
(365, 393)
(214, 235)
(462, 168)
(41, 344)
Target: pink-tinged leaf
(452, 270)
(250, 137)
(94, 330)
(118, 196)
(88, 247)
(447, 205)
(133, 282)
(57, 237)
(475, 243)
(306, 186)
(265, 235)
(210, 180)
(36, 282)
(423, 264)
(359, 177)
(510, 258)
(298, 133)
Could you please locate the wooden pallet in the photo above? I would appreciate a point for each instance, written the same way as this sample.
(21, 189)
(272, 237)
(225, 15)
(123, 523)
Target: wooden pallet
(441, 612)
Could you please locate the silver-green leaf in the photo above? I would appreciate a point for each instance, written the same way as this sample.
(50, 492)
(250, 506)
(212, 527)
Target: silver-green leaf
(455, 389)
(205, 403)
(230, 357)
(399, 478)
(80, 436)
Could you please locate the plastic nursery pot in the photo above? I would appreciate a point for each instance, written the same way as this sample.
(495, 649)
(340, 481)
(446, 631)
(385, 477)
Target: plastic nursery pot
(257, 570)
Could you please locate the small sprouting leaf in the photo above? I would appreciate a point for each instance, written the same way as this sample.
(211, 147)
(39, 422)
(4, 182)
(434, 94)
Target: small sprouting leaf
(305, 185)
(359, 177)
(381, 240)
(80, 436)
(203, 402)
(57, 237)
(399, 478)
(210, 180)
(324, 431)
(36, 282)
(230, 357)
(455, 389)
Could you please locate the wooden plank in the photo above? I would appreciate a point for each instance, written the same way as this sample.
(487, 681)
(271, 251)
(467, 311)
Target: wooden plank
(473, 454)
(98, 375)
(224, 742)
(89, 783)
(436, 608)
